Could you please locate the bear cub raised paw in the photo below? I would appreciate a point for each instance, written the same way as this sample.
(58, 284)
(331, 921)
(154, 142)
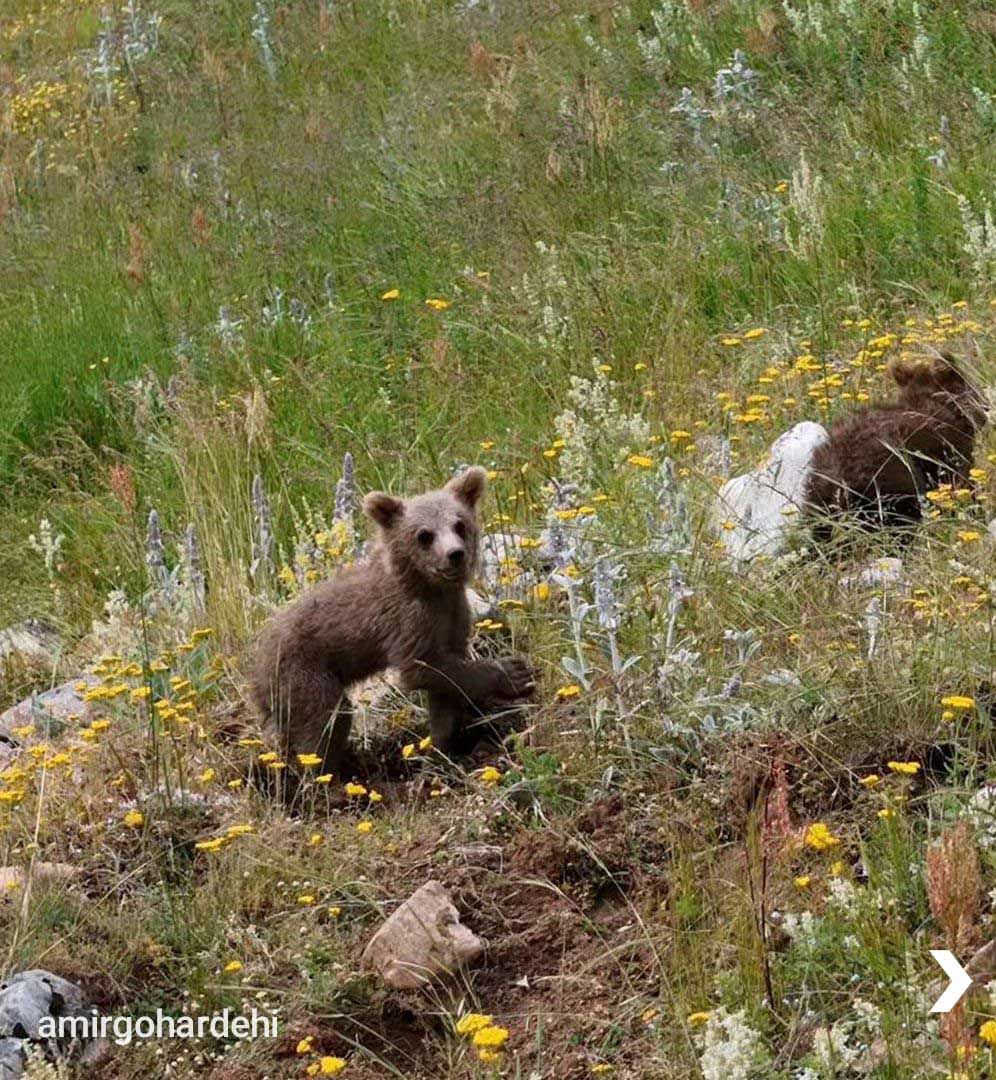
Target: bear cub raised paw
(406, 608)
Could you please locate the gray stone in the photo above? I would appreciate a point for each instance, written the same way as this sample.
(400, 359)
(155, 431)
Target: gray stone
(52, 709)
(30, 996)
(26, 1000)
(11, 1058)
(33, 640)
(754, 512)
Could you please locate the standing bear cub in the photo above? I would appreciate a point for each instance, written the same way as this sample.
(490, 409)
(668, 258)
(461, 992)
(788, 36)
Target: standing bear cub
(405, 608)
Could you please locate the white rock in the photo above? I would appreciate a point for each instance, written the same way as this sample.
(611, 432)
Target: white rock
(753, 512)
(423, 938)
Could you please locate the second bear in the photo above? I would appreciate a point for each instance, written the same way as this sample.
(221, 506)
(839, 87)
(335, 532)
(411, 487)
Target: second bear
(878, 465)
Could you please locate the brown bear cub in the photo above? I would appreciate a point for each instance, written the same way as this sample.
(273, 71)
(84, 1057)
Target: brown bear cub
(877, 465)
(405, 607)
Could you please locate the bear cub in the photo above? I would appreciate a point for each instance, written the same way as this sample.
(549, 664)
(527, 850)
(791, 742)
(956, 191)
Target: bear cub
(878, 464)
(405, 607)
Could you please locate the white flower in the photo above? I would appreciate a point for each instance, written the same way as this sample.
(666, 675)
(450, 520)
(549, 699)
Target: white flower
(832, 1051)
(731, 1048)
(843, 895)
(801, 927)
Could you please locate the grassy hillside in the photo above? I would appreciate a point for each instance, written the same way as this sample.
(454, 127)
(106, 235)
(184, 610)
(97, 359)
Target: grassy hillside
(617, 247)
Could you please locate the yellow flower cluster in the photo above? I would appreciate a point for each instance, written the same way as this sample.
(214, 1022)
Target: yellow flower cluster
(820, 838)
(484, 1034)
(31, 110)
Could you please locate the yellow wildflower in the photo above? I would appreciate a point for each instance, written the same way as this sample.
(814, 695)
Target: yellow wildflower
(327, 1066)
(820, 838)
(472, 1023)
(491, 1037)
(958, 701)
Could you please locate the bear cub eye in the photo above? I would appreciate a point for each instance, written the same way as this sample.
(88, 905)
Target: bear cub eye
(425, 537)
(461, 530)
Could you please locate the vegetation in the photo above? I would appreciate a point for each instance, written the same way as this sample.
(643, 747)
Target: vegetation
(609, 251)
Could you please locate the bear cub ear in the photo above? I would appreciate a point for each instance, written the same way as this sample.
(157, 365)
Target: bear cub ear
(469, 486)
(905, 373)
(384, 509)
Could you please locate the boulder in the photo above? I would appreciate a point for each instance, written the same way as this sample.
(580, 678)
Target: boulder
(33, 640)
(422, 939)
(754, 512)
(50, 710)
(28, 1001)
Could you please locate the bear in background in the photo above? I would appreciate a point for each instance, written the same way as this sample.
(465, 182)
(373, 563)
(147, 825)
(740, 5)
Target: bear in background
(878, 464)
(405, 607)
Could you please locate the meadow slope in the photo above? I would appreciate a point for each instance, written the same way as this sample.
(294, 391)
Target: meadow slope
(609, 251)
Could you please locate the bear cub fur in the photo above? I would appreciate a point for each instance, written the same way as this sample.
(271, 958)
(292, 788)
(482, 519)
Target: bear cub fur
(878, 464)
(405, 607)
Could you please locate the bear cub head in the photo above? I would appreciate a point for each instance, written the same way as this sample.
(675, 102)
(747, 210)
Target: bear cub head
(432, 537)
(939, 384)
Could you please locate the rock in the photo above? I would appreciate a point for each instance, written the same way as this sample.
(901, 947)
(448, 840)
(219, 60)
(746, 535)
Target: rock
(884, 571)
(33, 640)
(28, 1001)
(480, 608)
(422, 939)
(50, 710)
(13, 877)
(483, 855)
(754, 512)
(11, 1058)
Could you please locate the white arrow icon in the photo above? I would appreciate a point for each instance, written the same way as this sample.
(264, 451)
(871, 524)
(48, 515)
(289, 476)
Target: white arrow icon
(960, 981)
